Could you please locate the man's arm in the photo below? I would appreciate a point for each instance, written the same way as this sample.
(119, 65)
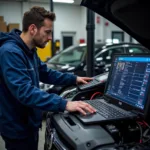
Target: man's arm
(19, 83)
(50, 76)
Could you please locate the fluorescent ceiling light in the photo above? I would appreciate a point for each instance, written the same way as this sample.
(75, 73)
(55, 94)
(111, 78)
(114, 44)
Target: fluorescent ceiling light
(63, 1)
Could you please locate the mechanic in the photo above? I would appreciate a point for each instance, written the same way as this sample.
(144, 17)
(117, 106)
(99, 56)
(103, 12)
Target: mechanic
(21, 101)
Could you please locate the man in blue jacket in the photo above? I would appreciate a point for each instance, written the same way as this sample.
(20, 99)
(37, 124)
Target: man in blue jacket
(21, 100)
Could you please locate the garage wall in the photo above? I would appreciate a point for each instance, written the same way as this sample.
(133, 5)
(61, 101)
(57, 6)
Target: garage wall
(102, 32)
(70, 18)
(11, 11)
(83, 21)
(111, 27)
(99, 29)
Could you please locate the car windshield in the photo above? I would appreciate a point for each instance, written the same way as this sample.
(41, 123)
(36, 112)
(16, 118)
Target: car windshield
(73, 55)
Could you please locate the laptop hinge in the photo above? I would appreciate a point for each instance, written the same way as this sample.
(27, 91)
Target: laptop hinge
(106, 99)
(136, 112)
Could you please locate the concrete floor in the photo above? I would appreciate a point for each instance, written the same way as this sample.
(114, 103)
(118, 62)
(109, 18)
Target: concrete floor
(41, 138)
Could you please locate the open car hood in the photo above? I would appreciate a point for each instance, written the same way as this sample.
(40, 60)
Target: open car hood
(132, 16)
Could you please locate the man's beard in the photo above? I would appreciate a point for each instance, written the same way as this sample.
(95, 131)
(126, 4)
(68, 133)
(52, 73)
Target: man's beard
(38, 44)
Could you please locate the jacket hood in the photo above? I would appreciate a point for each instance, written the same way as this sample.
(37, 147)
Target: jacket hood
(14, 36)
(131, 16)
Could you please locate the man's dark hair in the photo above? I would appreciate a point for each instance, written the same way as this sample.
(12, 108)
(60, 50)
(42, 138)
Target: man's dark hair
(36, 16)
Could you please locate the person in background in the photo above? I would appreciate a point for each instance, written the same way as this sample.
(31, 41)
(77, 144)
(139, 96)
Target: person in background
(21, 100)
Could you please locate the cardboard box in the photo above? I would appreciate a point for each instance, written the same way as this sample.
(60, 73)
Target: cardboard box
(1, 19)
(3, 27)
(12, 26)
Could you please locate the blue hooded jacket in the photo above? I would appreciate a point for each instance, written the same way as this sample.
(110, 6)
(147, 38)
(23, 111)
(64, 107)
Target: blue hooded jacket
(21, 100)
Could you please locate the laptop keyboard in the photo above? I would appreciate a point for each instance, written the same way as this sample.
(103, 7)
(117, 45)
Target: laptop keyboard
(105, 110)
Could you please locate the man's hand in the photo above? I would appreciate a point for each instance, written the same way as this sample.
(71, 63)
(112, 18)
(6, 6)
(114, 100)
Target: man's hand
(83, 80)
(79, 106)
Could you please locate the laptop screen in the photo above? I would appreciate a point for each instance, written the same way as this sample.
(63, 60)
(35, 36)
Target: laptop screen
(129, 80)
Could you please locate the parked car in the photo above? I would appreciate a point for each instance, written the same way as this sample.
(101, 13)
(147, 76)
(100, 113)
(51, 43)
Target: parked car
(73, 59)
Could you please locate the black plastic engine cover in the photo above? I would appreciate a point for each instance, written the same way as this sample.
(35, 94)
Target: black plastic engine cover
(78, 136)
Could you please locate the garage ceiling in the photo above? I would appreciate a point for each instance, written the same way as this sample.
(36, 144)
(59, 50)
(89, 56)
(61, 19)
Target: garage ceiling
(76, 2)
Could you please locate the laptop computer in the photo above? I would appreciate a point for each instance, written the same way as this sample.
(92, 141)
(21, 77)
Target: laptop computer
(126, 92)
